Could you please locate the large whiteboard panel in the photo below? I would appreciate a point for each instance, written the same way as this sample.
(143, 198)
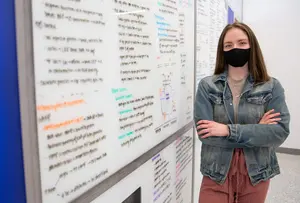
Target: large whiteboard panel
(167, 177)
(211, 19)
(112, 80)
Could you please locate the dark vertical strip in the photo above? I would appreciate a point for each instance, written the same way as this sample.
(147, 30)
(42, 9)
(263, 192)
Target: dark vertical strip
(11, 170)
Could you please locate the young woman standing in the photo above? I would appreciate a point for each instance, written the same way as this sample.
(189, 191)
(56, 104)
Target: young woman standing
(241, 118)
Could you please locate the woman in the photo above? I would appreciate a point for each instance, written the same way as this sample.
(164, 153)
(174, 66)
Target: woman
(241, 118)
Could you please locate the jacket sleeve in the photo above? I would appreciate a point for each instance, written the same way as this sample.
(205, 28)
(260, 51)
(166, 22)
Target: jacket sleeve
(260, 135)
(203, 110)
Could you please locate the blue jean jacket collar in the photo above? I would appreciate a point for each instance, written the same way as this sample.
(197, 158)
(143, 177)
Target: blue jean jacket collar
(223, 77)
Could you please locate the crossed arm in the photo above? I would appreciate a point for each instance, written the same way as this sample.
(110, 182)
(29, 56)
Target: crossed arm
(268, 133)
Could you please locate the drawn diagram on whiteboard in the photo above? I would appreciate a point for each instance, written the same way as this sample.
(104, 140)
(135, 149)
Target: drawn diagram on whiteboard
(167, 102)
(166, 93)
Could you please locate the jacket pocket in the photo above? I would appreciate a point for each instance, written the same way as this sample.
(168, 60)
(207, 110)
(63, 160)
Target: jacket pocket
(260, 99)
(219, 112)
(257, 105)
(216, 98)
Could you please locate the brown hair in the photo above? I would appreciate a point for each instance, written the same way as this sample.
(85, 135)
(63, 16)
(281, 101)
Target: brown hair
(256, 63)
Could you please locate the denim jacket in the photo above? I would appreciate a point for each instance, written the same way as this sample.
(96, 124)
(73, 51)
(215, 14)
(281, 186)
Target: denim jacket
(258, 141)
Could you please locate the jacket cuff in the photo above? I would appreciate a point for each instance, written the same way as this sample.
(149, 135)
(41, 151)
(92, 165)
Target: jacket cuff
(233, 133)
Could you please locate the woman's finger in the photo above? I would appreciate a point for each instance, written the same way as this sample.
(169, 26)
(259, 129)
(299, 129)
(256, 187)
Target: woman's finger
(269, 112)
(273, 115)
(273, 123)
(204, 131)
(275, 119)
(206, 136)
(203, 126)
(203, 122)
(269, 121)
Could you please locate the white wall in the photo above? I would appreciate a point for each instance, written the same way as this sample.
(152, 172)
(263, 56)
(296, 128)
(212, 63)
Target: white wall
(276, 24)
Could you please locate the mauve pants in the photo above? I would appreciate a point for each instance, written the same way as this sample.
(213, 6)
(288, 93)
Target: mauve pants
(237, 187)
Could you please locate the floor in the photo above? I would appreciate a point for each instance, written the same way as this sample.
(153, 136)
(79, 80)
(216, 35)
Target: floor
(285, 188)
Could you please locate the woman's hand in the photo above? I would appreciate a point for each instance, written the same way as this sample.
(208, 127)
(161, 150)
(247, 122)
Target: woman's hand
(270, 118)
(211, 128)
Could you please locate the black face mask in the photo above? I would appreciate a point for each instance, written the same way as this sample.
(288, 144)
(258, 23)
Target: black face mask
(237, 57)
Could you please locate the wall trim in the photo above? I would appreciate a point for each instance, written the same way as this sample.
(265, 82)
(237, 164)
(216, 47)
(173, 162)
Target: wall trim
(291, 151)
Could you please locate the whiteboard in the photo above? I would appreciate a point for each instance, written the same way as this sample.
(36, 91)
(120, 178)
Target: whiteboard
(112, 80)
(167, 177)
(211, 19)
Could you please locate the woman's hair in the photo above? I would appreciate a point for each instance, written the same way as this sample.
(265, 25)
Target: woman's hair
(256, 63)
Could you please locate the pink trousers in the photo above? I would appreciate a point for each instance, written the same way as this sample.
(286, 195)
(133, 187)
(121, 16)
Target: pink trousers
(237, 187)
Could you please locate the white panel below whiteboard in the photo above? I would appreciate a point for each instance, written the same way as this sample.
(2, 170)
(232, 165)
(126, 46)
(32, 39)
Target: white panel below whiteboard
(166, 178)
(196, 170)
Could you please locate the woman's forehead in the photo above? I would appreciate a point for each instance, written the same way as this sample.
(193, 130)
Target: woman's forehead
(235, 34)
